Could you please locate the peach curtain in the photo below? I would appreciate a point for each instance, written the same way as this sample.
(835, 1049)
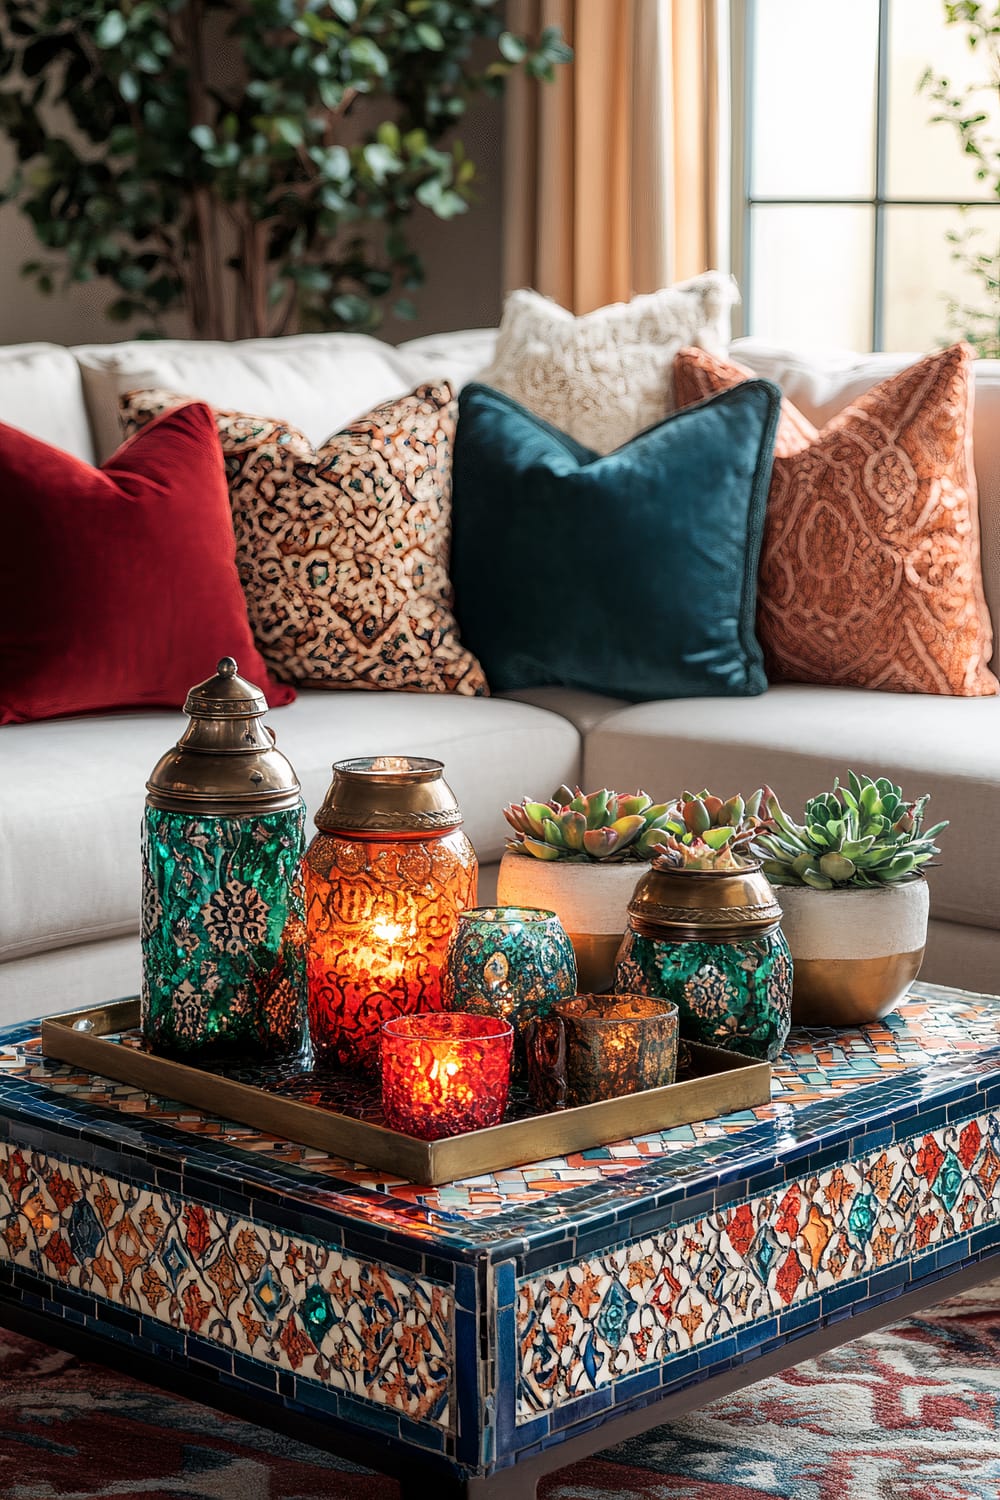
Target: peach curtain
(611, 175)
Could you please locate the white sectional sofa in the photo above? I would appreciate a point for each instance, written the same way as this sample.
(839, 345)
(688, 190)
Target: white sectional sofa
(71, 790)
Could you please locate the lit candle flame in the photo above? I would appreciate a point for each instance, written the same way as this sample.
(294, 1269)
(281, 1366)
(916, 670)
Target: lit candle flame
(391, 763)
(387, 932)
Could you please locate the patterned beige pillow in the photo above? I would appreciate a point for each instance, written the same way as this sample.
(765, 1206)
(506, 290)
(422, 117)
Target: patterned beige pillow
(607, 375)
(343, 550)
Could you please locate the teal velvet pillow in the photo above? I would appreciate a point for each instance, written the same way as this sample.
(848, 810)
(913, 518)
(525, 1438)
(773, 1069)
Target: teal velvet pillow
(633, 574)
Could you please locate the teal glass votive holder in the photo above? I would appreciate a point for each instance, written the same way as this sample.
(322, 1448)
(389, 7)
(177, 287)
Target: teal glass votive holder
(514, 962)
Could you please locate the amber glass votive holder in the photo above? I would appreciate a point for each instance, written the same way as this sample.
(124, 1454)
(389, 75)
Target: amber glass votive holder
(444, 1074)
(600, 1046)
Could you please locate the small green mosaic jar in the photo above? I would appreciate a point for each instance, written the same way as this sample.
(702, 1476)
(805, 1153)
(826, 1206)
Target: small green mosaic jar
(514, 962)
(223, 913)
(710, 941)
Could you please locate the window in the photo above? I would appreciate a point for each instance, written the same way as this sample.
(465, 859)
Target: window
(849, 197)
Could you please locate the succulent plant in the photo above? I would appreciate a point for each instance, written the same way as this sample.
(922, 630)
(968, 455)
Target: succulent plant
(703, 832)
(862, 834)
(574, 825)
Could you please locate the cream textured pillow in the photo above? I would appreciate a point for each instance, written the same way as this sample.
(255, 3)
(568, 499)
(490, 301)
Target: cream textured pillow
(607, 375)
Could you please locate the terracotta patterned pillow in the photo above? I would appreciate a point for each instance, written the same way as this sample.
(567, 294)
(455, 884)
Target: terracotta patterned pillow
(870, 573)
(343, 550)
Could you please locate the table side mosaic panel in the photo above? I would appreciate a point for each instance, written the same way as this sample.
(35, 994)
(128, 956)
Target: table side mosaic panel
(480, 1322)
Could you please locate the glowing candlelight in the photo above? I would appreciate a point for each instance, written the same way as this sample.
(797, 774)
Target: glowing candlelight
(444, 1074)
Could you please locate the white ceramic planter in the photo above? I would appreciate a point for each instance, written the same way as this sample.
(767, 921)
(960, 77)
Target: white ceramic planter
(856, 951)
(590, 900)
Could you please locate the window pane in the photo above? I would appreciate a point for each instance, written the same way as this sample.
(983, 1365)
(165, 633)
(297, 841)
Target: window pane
(927, 160)
(811, 279)
(922, 274)
(814, 75)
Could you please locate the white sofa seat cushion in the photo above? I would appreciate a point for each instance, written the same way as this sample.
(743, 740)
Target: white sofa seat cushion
(71, 813)
(798, 737)
(41, 393)
(581, 708)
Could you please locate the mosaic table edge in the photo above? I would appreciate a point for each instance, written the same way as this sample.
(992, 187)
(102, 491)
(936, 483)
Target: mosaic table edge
(659, 1179)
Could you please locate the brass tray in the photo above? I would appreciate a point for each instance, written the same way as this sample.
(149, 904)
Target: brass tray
(717, 1083)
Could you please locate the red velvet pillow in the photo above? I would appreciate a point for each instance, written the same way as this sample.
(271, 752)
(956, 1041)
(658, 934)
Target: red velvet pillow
(118, 585)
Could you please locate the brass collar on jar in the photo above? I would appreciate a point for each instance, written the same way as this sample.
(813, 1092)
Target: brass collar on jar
(710, 906)
(389, 794)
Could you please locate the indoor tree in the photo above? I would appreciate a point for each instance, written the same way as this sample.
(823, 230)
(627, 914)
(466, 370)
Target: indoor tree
(252, 162)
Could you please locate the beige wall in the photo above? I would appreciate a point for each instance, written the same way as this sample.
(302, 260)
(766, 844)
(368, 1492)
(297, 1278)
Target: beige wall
(462, 260)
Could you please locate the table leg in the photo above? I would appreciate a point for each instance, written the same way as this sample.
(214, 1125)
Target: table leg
(517, 1483)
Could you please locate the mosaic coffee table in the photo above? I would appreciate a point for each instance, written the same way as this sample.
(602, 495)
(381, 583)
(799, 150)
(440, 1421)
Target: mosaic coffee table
(484, 1332)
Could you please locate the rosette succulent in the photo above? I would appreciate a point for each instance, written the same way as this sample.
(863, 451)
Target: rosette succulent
(861, 834)
(703, 832)
(587, 826)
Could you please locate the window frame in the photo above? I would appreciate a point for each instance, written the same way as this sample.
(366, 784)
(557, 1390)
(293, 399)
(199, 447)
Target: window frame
(743, 14)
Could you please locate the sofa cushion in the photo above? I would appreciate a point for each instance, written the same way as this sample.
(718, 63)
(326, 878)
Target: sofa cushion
(606, 375)
(118, 585)
(318, 382)
(73, 792)
(822, 382)
(870, 569)
(585, 710)
(539, 541)
(41, 392)
(456, 357)
(797, 737)
(343, 549)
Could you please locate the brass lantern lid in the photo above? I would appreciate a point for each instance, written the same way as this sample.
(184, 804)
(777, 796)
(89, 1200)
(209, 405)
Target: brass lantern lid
(710, 906)
(377, 794)
(225, 763)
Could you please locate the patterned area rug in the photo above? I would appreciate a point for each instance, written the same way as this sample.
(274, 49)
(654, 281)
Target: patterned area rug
(911, 1413)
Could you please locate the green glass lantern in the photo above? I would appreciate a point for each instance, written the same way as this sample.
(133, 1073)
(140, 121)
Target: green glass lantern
(710, 941)
(223, 915)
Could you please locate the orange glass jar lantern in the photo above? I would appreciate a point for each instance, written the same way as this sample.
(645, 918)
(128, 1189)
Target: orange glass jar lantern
(386, 877)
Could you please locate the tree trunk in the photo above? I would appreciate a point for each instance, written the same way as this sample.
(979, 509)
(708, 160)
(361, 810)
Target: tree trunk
(206, 272)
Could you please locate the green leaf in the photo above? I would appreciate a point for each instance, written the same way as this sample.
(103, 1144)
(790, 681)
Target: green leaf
(380, 161)
(128, 87)
(367, 55)
(541, 851)
(429, 36)
(350, 308)
(289, 131)
(203, 136)
(111, 30)
(513, 48)
(442, 201)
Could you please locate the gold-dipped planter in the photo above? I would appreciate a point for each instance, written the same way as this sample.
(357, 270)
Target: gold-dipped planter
(855, 951)
(851, 991)
(596, 953)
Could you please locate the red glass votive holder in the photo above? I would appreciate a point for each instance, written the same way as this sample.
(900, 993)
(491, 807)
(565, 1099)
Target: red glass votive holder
(445, 1073)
